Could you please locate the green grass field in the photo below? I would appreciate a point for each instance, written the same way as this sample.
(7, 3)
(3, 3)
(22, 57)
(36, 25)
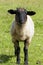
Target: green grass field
(6, 46)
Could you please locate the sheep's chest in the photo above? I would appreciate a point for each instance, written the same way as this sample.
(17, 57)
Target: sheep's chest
(21, 34)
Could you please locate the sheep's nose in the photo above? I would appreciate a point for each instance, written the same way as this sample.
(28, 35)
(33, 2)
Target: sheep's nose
(21, 22)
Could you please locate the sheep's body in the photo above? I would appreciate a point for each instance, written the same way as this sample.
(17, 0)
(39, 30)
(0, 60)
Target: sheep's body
(22, 29)
(24, 32)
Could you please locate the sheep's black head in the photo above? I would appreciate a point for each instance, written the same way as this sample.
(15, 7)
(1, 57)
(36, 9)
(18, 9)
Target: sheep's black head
(21, 14)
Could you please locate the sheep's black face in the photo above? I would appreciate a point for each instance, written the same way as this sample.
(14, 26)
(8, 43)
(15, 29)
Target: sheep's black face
(21, 16)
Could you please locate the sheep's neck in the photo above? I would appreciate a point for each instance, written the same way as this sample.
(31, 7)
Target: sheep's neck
(19, 29)
(20, 26)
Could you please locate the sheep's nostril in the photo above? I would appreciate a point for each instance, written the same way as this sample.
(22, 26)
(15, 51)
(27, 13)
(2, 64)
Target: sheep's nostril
(21, 22)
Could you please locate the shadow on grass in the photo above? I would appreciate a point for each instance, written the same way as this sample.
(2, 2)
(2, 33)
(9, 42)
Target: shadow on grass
(5, 58)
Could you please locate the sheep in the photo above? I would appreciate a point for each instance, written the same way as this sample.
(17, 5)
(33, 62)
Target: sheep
(22, 29)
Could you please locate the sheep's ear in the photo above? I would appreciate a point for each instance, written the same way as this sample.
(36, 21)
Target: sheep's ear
(12, 11)
(31, 13)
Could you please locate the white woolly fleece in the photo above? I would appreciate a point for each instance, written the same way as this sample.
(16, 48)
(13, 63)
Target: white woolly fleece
(24, 32)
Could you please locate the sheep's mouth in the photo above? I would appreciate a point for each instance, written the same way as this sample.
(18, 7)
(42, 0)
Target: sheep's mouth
(20, 23)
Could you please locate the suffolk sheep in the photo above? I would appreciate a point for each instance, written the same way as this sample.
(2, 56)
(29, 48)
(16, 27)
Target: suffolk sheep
(22, 29)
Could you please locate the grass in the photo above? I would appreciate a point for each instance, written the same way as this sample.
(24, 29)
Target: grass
(6, 46)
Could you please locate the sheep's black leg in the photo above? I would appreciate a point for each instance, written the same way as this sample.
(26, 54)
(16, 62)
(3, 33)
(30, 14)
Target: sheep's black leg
(17, 51)
(18, 55)
(26, 52)
(16, 43)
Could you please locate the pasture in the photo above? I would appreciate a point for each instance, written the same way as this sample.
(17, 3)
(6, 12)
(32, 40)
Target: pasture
(35, 49)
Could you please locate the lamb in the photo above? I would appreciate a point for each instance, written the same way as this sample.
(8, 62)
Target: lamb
(22, 29)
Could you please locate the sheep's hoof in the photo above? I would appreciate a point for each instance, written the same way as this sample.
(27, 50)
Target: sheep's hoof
(25, 63)
(18, 62)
